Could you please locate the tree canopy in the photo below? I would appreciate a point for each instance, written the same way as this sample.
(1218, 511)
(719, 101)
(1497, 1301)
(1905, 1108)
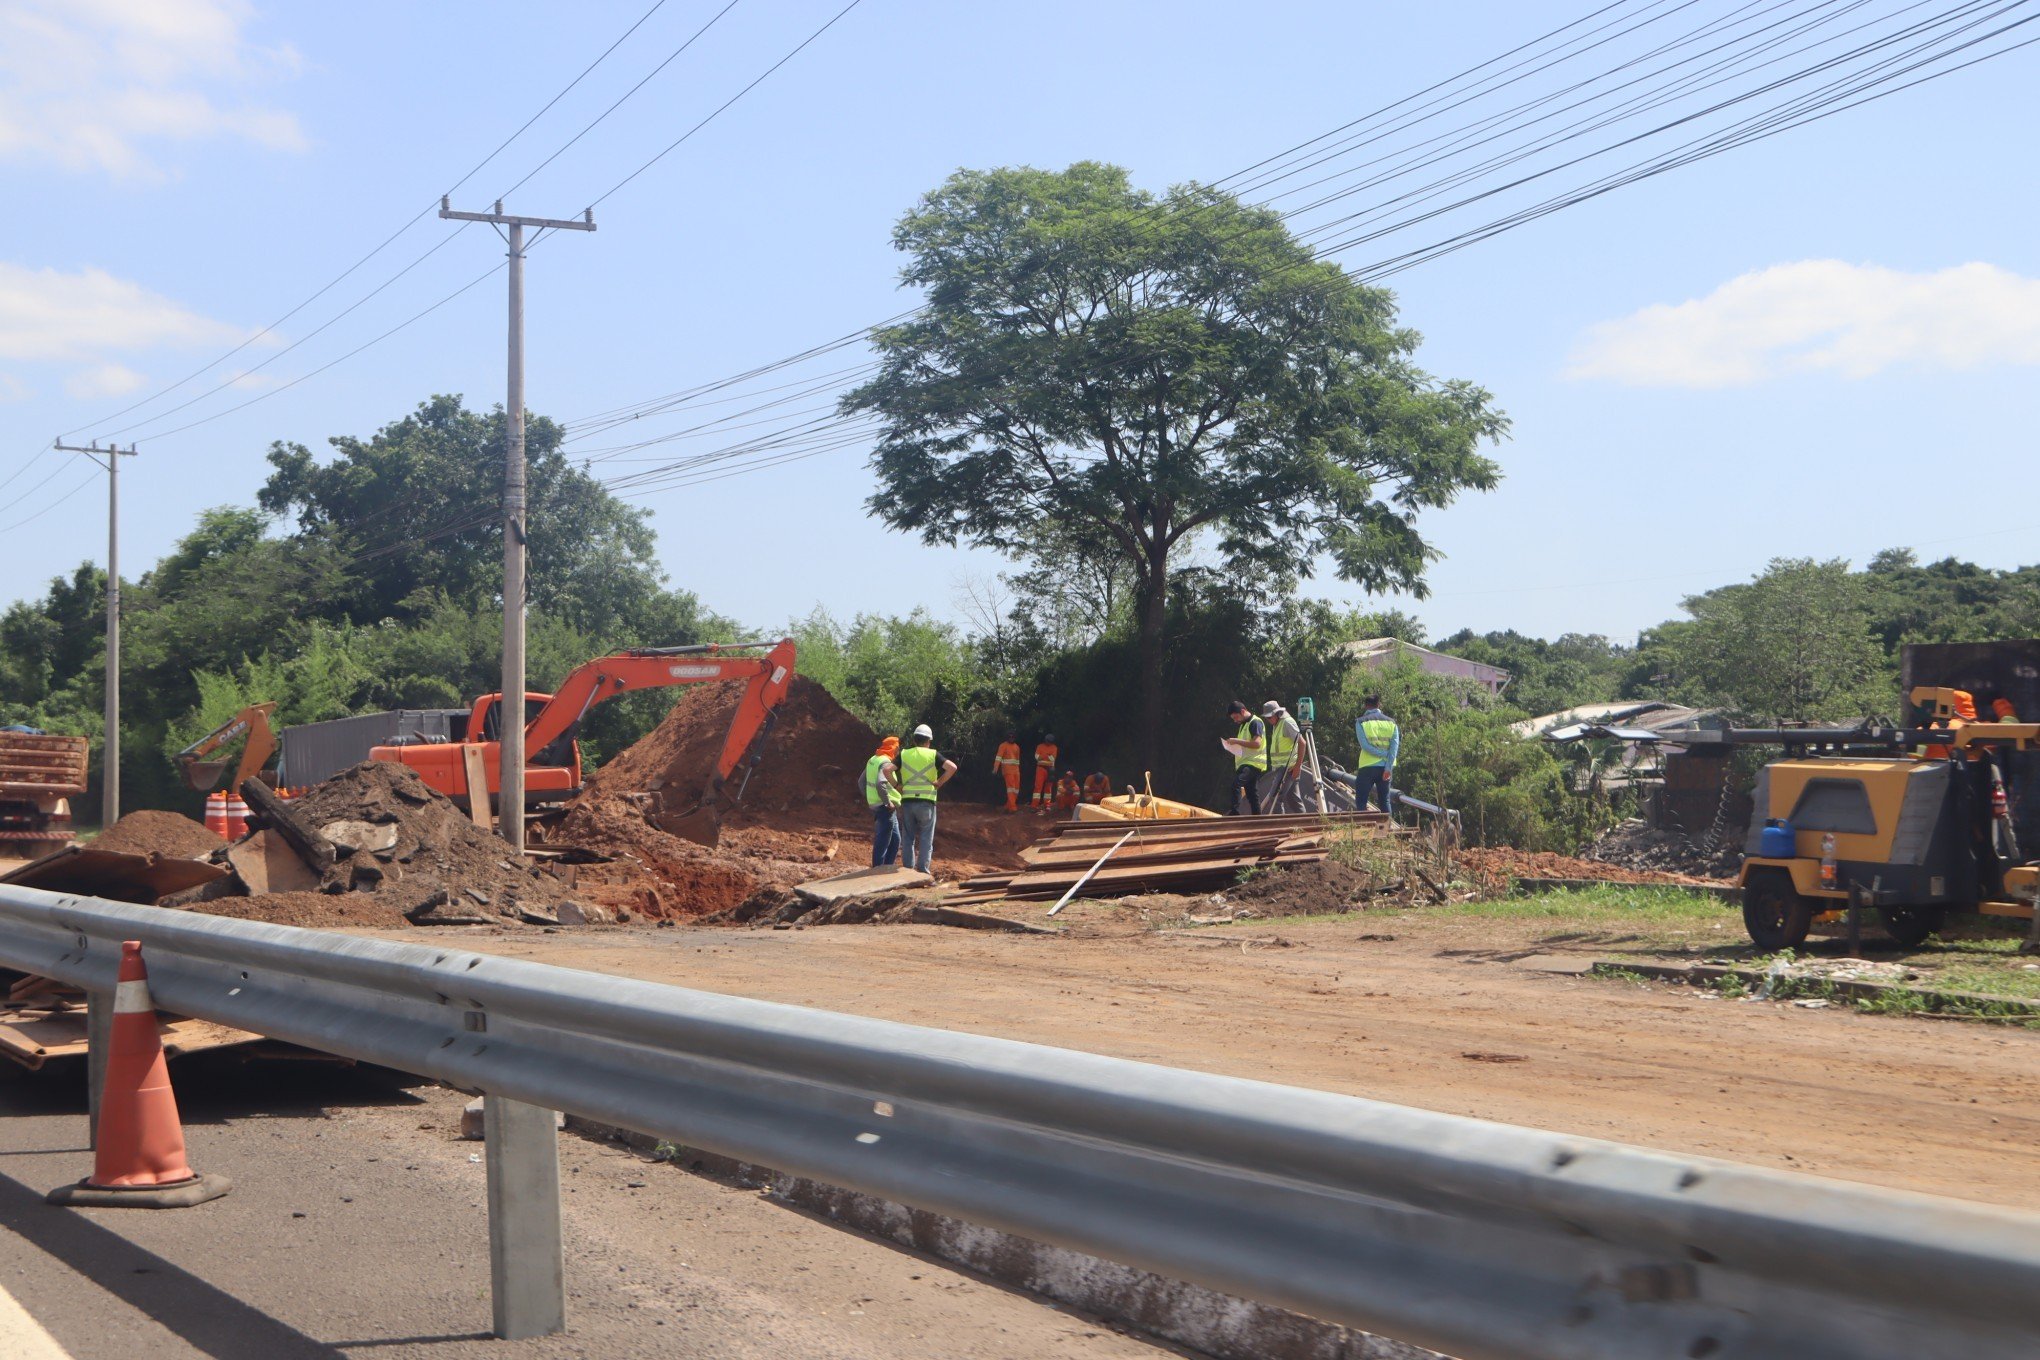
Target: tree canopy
(1151, 372)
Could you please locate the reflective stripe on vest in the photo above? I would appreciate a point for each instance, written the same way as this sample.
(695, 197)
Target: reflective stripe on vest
(1380, 731)
(1257, 760)
(875, 786)
(918, 772)
(1281, 746)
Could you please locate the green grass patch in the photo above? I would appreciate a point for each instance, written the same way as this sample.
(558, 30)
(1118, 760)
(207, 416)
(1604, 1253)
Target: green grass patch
(1602, 904)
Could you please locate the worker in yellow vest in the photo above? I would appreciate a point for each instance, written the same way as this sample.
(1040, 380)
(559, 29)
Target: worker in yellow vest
(882, 796)
(1006, 765)
(1282, 787)
(1380, 745)
(921, 773)
(1249, 749)
(1045, 753)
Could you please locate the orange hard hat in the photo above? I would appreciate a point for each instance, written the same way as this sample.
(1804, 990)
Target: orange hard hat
(2001, 706)
(889, 747)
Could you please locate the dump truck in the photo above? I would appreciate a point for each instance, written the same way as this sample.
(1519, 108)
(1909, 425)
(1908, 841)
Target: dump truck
(40, 773)
(1914, 823)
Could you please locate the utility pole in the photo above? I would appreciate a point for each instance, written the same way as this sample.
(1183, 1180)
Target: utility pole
(510, 712)
(109, 779)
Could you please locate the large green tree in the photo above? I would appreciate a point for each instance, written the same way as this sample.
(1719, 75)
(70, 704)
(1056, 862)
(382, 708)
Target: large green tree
(1148, 372)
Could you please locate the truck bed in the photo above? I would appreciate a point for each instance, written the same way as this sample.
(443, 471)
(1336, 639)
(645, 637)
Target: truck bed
(42, 766)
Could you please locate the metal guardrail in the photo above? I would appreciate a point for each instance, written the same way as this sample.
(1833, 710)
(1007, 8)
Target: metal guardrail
(1481, 1240)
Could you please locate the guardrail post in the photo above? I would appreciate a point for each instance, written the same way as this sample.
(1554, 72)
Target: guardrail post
(527, 1270)
(98, 1042)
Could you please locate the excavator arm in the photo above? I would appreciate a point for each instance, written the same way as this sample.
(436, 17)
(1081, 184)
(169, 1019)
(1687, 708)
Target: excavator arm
(767, 678)
(201, 774)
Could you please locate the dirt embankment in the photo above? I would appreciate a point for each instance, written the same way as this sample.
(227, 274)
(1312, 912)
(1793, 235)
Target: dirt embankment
(1494, 867)
(801, 815)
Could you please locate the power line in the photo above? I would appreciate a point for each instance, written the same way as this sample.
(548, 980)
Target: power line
(755, 82)
(410, 222)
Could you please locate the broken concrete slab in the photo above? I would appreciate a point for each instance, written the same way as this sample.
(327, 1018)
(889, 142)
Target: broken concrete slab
(883, 878)
(355, 835)
(267, 863)
(140, 879)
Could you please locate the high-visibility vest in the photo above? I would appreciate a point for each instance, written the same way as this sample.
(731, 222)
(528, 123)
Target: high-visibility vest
(878, 790)
(1257, 760)
(1281, 746)
(1008, 760)
(919, 771)
(1380, 731)
(1044, 757)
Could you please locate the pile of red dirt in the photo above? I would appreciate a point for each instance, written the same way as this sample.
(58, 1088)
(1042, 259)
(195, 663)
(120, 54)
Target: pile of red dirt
(1494, 867)
(158, 833)
(801, 817)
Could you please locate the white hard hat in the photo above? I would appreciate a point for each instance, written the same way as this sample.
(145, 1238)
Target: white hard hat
(925, 731)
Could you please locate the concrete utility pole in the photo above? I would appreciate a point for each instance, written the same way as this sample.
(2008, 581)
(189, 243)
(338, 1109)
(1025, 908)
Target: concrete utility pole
(109, 780)
(510, 713)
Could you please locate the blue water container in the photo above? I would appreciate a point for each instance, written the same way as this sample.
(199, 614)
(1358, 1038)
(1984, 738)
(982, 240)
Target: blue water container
(1776, 840)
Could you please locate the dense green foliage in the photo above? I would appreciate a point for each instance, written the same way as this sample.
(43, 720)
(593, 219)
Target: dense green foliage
(1147, 374)
(380, 593)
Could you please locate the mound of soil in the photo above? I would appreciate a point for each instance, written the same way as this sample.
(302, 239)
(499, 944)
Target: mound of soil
(158, 833)
(1309, 889)
(801, 816)
(319, 911)
(438, 858)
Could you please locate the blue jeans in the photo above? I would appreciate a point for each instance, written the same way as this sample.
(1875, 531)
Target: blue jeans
(917, 832)
(1374, 780)
(885, 836)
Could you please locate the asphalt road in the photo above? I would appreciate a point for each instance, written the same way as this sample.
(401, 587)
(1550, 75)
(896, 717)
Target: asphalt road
(356, 1228)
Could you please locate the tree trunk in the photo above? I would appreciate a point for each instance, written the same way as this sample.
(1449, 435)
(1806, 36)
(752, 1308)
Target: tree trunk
(1154, 609)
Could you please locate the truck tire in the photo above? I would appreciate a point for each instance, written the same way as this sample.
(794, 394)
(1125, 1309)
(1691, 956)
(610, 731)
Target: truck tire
(1773, 912)
(1910, 926)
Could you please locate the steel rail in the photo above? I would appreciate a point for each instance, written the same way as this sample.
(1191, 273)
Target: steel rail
(1482, 1240)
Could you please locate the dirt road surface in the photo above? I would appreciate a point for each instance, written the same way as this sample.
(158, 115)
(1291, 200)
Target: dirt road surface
(1458, 1016)
(356, 1228)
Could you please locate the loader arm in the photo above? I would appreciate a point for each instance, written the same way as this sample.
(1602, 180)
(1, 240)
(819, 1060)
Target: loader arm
(200, 774)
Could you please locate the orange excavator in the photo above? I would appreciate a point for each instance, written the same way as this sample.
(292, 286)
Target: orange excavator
(552, 772)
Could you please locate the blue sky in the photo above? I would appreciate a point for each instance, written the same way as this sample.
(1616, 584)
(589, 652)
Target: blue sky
(1763, 354)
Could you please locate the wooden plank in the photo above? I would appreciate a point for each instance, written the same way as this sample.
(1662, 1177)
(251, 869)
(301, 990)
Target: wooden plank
(481, 808)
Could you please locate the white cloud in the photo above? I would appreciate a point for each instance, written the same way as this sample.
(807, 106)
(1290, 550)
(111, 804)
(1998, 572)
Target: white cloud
(14, 389)
(103, 380)
(49, 315)
(89, 84)
(1820, 316)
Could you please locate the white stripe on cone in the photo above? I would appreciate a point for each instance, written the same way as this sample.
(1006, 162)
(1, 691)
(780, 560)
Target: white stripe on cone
(130, 998)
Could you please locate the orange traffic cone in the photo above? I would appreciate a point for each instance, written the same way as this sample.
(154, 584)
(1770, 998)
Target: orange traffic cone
(139, 1161)
(216, 814)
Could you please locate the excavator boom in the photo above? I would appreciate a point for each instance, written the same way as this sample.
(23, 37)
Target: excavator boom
(557, 719)
(201, 774)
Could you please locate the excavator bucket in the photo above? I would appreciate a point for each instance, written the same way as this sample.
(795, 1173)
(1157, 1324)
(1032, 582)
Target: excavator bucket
(202, 776)
(703, 825)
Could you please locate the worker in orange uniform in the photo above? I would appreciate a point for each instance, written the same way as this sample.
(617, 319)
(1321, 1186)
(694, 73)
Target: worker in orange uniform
(1045, 753)
(1006, 765)
(1097, 788)
(1068, 793)
(2001, 710)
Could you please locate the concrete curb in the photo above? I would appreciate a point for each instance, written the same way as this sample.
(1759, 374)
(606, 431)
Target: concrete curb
(1189, 1315)
(1851, 989)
